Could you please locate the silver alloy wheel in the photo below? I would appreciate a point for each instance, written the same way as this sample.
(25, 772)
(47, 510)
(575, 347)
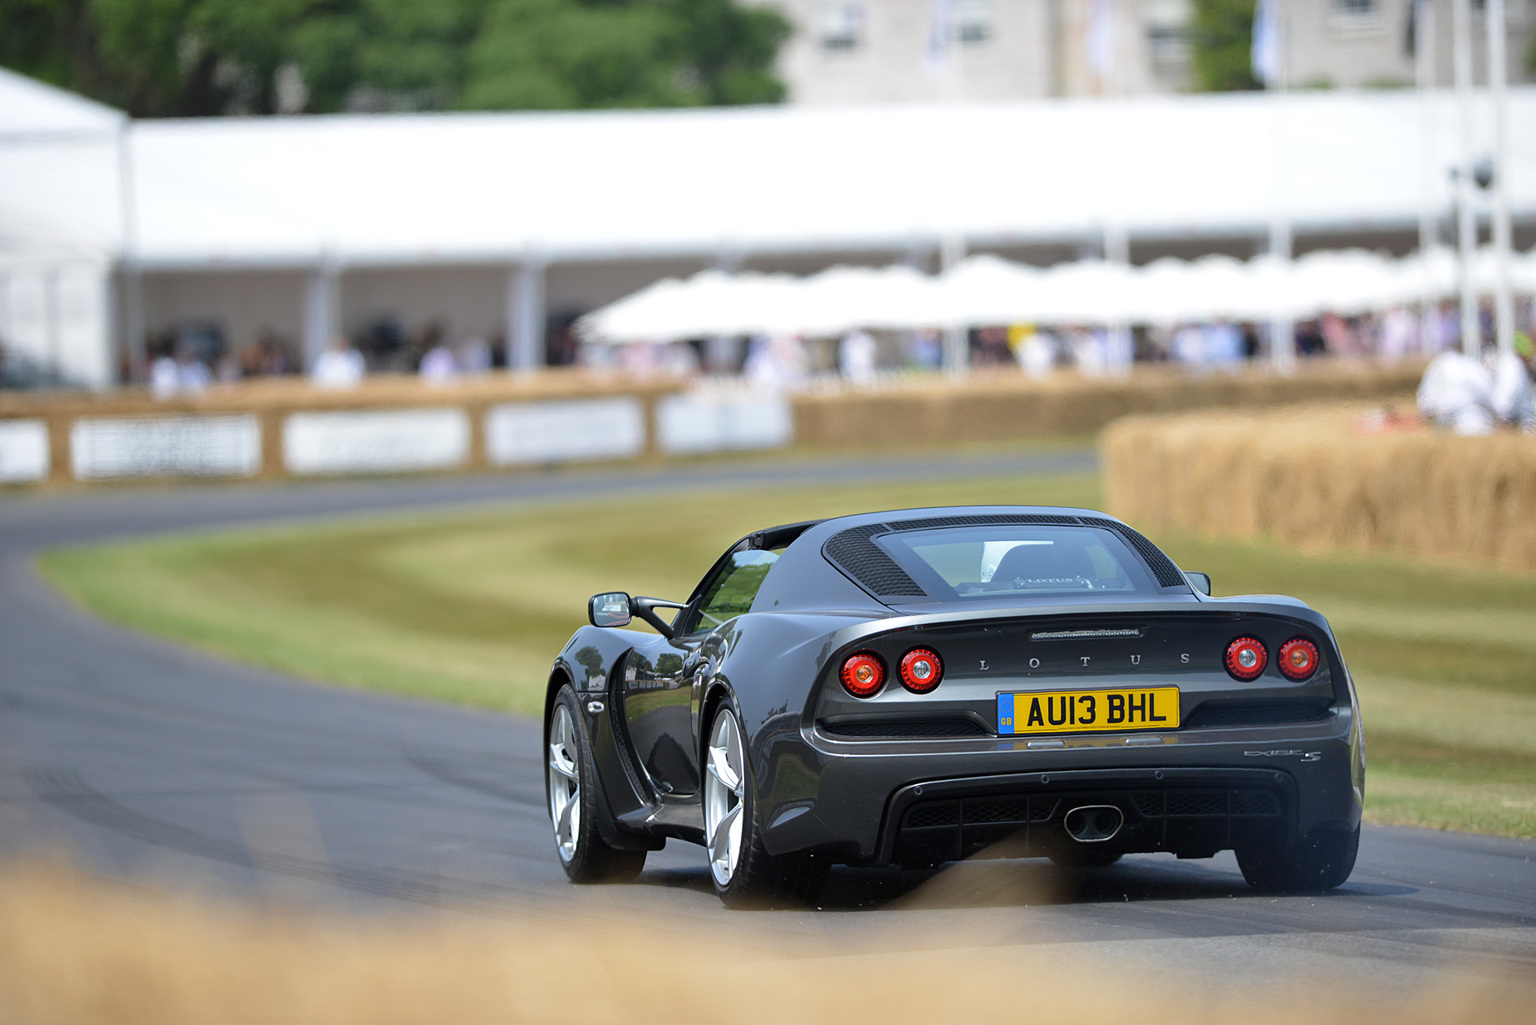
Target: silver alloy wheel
(564, 782)
(724, 787)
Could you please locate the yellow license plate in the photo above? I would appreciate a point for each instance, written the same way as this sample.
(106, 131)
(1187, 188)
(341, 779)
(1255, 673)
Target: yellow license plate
(1077, 711)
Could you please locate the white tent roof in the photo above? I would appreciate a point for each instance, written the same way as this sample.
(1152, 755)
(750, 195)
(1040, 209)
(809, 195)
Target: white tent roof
(408, 189)
(59, 188)
(30, 109)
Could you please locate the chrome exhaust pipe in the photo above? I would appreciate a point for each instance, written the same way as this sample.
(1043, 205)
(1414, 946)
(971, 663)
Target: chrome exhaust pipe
(1093, 823)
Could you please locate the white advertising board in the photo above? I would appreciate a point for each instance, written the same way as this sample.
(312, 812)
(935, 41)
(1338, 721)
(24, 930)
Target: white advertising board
(375, 441)
(23, 450)
(547, 432)
(714, 423)
(166, 446)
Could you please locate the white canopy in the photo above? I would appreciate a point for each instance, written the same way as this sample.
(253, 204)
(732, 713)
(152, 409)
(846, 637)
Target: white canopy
(987, 290)
(33, 110)
(620, 185)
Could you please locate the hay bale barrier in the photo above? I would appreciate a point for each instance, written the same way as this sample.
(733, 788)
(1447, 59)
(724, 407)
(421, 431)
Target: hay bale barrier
(1001, 406)
(1309, 476)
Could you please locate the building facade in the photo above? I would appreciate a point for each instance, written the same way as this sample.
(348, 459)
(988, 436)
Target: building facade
(917, 51)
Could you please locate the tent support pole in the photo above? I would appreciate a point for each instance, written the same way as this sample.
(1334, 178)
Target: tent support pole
(1503, 299)
(1466, 227)
(1282, 329)
(322, 312)
(525, 317)
(957, 355)
(1117, 250)
(1429, 215)
(132, 279)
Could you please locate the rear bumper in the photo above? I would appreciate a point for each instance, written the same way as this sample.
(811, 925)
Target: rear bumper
(1195, 792)
(1192, 812)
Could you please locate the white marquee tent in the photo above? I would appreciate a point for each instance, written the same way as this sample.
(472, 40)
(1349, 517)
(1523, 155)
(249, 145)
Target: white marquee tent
(328, 195)
(986, 290)
(60, 228)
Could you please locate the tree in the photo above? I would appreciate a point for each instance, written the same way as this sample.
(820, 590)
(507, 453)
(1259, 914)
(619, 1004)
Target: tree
(661, 53)
(153, 57)
(1221, 40)
(166, 58)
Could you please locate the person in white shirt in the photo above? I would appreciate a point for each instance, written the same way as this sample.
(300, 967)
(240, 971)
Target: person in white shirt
(856, 357)
(164, 377)
(339, 367)
(438, 365)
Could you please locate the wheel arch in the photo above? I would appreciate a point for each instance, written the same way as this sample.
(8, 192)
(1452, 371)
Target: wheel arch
(559, 676)
(719, 693)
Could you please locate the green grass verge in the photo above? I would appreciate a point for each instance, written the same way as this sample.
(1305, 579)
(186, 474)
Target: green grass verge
(471, 607)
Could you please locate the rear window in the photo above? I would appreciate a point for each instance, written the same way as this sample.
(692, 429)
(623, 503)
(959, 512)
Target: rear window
(990, 561)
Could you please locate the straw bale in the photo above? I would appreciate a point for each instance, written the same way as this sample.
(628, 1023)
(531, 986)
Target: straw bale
(1005, 406)
(1307, 476)
(73, 951)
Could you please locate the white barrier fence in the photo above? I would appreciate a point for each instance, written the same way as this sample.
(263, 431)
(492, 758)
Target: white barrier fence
(554, 432)
(381, 441)
(166, 446)
(23, 451)
(695, 423)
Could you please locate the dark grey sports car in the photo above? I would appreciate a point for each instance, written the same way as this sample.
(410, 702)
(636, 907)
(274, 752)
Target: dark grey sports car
(921, 686)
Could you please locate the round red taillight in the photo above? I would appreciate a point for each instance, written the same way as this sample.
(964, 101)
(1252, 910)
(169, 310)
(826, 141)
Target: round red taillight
(863, 674)
(1246, 658)
(921, 670)
(1298, 658)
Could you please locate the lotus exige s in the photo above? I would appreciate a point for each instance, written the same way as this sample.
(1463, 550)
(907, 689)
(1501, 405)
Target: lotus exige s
(921, 686)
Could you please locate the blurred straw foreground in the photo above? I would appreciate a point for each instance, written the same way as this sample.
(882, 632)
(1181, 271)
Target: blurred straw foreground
(76, 951)
(1310, 477)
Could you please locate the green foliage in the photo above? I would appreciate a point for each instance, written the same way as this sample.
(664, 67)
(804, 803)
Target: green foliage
(210, 57)
(1221, 41)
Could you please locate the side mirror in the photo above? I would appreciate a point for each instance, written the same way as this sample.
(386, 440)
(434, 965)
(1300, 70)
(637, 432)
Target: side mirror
(1200, 582)
(609, 609)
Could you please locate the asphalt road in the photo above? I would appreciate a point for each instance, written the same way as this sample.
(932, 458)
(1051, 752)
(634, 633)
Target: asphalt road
(138, 758)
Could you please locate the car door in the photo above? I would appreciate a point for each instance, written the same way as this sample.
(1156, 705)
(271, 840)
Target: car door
(663, 682)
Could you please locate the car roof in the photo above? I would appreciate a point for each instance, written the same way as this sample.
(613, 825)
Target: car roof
(835, 562)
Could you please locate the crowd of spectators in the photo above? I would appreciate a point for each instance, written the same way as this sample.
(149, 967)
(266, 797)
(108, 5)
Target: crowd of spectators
(189, 360)
(197, 357)
(860, 356)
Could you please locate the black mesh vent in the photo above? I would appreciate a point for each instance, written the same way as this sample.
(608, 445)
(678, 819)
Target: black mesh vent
(1254, 802)
(1196, 802)
(906, 728)
(1167, 573)
(1002, 810)
(923, 816)
(981, 811)
(1151, 804)
(1255, 715)
(852, 552)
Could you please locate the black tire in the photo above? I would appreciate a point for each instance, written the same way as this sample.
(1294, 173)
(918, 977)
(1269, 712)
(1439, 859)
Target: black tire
(572, 800)
(744, 874)
(1320, 862)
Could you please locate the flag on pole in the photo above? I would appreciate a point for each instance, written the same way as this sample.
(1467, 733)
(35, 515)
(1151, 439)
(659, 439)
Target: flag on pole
(1101, 38)
(940, 21)
(1265, 55)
